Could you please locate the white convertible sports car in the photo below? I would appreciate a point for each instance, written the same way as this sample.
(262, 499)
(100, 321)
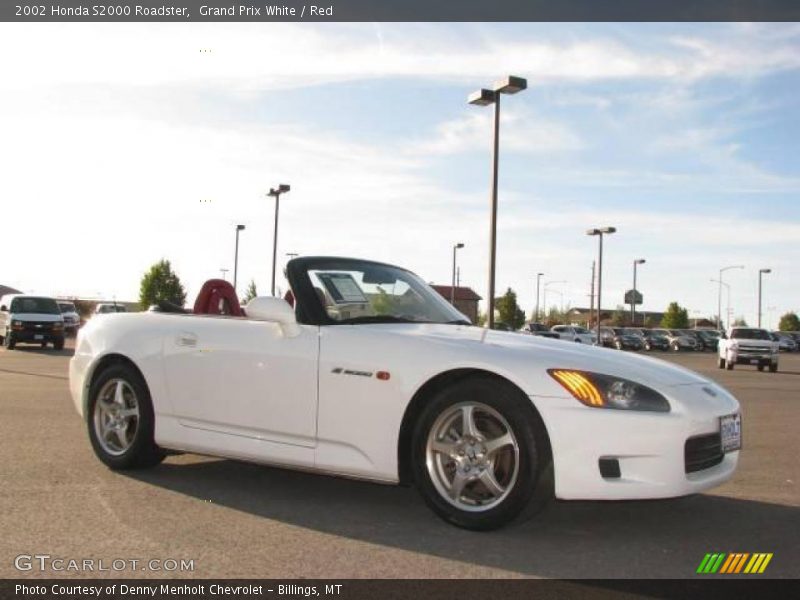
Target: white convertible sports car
(371, 374)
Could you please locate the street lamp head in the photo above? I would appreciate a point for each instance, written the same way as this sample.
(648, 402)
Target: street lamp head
(240, 228)
(284, 187)
(608, 230)
(592, 232)
(510, 85)
(765, 271)
(640, 261)
(539, 274)
(459, 245)
(482, 97)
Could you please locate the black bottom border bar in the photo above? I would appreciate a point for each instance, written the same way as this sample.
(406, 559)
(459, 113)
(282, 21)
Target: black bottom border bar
(395, 589)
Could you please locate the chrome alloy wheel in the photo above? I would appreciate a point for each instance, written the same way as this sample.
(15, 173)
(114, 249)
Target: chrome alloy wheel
(472, 456)
(116, 416)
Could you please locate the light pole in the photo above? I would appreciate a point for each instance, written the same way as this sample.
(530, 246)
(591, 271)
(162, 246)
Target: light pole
(453, 287)
(728, 288)
(276, 193)
(538, 281)
(484, 97)
(638, 261)
(600, 232)
(546, 285)
(760, 273)
(719, 293)
(236, 256)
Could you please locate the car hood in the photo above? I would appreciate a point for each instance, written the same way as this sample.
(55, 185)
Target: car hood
(41, 318)
(545, 353)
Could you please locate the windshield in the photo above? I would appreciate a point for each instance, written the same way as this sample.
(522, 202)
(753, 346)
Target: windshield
(580, 330)
(750, 334)
(36, 306)
(636, 332)
(364, 292)
(66, 307)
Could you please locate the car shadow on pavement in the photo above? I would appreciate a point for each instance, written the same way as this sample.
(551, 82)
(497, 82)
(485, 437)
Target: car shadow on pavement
(662, 538)
(49, 351)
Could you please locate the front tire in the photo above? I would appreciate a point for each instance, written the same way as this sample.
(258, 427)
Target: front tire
(773, 368)
(59, 344)
(721, 362)
(121, 420)
(9, 342)
(481, 457)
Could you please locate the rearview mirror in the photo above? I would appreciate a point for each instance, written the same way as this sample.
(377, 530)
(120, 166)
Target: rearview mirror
(276, 310)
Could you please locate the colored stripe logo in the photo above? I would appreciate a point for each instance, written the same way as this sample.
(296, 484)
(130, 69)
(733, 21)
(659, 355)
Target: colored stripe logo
(734, 563)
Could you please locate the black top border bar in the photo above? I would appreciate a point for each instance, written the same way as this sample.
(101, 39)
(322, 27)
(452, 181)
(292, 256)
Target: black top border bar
(398, 10)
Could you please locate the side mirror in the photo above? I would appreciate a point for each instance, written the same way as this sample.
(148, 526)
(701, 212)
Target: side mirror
(3, 308)
(276, 310)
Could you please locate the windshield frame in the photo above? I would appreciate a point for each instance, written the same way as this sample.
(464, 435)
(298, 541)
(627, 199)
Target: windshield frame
(309, 310)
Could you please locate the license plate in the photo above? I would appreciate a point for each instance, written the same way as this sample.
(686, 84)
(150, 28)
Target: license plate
(38, 337)
(753, 361)
(730, 427)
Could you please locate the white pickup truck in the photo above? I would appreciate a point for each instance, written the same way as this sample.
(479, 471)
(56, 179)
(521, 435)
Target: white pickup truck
(748, 346)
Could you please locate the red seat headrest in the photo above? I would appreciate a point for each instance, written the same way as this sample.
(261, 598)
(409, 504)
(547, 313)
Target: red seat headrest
(217, 297)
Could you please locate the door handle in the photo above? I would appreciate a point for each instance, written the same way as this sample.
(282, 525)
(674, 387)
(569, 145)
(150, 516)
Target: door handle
(186, 339)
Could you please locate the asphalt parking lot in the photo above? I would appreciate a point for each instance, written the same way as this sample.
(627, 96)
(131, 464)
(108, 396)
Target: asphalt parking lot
(240, 520)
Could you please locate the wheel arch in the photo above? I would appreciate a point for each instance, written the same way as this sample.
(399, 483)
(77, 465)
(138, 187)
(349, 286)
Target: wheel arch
(101, 364)
(426, 391)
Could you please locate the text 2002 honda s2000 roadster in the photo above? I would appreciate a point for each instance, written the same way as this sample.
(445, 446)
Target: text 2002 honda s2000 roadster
(371, 374)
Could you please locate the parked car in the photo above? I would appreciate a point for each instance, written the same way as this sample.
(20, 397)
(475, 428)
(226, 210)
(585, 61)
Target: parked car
(748, 346)
(786, 342)
(677, 339)
(31, 320)
(574, 333)
(105, 308)
(486, 424)
(709, 338)
(540, 330)
(618, 338)
(651, 340)
(72, 320)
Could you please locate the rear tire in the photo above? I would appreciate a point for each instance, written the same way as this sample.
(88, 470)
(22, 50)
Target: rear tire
(760, 367)
(44, 344)
(773, 368)
(729, 365)
(121, 421)
(59, 344)
(480, 456)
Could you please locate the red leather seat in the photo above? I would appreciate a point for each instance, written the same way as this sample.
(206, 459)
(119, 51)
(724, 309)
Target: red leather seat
(217, 297)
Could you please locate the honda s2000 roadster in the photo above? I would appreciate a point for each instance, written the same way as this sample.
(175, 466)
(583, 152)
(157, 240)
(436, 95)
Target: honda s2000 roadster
(364, 371)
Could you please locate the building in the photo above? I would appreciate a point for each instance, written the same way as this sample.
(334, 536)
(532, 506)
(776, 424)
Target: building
(4, 289)
(466, 300)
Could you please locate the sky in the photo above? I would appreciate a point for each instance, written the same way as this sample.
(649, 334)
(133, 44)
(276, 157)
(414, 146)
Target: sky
(121, 144)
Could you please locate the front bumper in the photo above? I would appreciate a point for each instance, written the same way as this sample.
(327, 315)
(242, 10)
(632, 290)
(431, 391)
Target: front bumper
(650, 448)
(36, 337)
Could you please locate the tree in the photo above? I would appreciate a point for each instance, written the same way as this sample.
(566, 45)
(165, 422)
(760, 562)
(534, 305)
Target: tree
(160, 284)
(740, 322)
(509, 311)
(650, 322)
(789, 322)
(676, 317)
(251, 292)
(481, 319)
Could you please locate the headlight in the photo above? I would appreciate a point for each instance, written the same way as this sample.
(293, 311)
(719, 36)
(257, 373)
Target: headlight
(16, 323)
(605, 391)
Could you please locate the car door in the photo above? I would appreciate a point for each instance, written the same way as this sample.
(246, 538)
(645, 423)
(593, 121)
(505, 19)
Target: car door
(243, 378)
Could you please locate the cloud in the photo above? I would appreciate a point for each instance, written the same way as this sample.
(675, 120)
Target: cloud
(521, 132)
(270, 56)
